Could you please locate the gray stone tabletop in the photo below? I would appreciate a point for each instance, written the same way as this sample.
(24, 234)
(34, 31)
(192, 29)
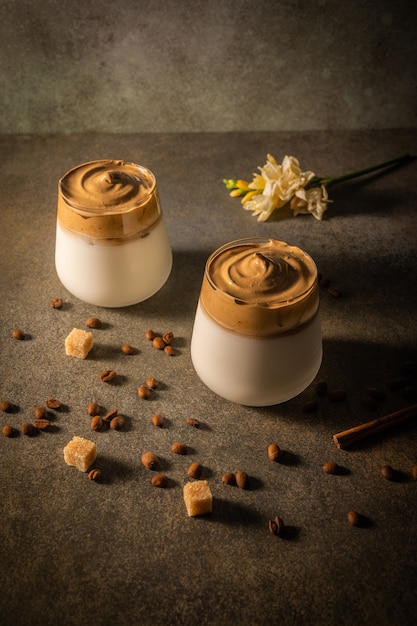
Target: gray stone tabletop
(119, 550)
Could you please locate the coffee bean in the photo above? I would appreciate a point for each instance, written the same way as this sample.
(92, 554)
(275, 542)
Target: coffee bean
(157, 420)
(93, 409)
(94, 474)
(274, 452)
(97, 423)
(195, 470)
(229, 478)
(93, 322)
(241, 479)
(179, 448)
(387, 472)
(331, 468)
(160, 480)
(150, 460)
(353, 518)
(117, 422)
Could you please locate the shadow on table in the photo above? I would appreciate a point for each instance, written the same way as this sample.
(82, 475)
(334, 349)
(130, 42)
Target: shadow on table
(360, 369)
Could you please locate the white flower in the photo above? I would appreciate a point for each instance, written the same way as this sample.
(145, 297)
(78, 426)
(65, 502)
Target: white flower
(261, 205)
(280, 183)
(313, 200)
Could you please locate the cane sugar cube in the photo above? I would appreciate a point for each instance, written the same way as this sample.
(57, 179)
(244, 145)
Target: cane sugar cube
(197, 497)
(79, 343)
(80, 453)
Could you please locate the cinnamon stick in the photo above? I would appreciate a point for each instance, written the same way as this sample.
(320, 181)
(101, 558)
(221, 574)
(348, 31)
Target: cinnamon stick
(353, 435)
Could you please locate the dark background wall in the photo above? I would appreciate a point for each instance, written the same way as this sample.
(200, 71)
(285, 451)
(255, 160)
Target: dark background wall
(206, 65)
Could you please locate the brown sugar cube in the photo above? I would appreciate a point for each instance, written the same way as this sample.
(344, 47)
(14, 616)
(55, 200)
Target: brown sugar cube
(79, 343)
(80, 453)
(197, 497)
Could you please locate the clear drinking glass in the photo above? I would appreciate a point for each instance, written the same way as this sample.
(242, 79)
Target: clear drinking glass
(257, 333)
(112, 246)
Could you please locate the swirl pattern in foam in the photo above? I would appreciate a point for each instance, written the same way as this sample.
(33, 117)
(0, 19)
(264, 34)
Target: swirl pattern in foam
(108, 200)
(260, 287)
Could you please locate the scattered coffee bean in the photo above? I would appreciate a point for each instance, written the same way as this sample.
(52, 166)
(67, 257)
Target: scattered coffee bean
(150, 335)
(334, 292)
(324, 281)
(107, 375)
(93, 322)
(144, 392)
(168, 338)
(310, 406)
(53, 403)
(272, 526)
(169, 350)
(97, 423)
(94, 474)
(158, 343)
(6, 406)
(160, 480)
(229, 478)
(241, 479)
(179, 448)
(337, 395)
(195, 470)
(414, 472)
(127, 349)
(330, 468)
(56, 303)
(276, 526)
(157, 420)
(150, 460)
(9, 431)
(39, 412)
(28, 429)
(321, 388)
(387, 472)
(41, 424)
(110, 415)
(18, 334)
(193, 422)
(117, 422)
(353, 518)
(151, 382)
(93, 408)
(273, 452)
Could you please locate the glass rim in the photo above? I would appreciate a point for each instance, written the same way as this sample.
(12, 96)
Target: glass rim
(117, 209)
(246, 241)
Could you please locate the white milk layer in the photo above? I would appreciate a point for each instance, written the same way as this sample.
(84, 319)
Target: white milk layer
(113, 275)
(255, 371)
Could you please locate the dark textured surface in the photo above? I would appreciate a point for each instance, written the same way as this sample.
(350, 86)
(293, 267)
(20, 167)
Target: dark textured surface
(191, 65)
(123, 552)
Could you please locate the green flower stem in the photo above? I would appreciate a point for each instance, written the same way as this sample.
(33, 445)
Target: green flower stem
(338, 179)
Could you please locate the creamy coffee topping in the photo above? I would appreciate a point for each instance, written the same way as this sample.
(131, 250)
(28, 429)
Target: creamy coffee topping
(260, 287)
(108, 200)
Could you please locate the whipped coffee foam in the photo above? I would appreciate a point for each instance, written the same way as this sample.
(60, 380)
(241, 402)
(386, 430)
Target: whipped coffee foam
(260, 287)
(108, 200)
